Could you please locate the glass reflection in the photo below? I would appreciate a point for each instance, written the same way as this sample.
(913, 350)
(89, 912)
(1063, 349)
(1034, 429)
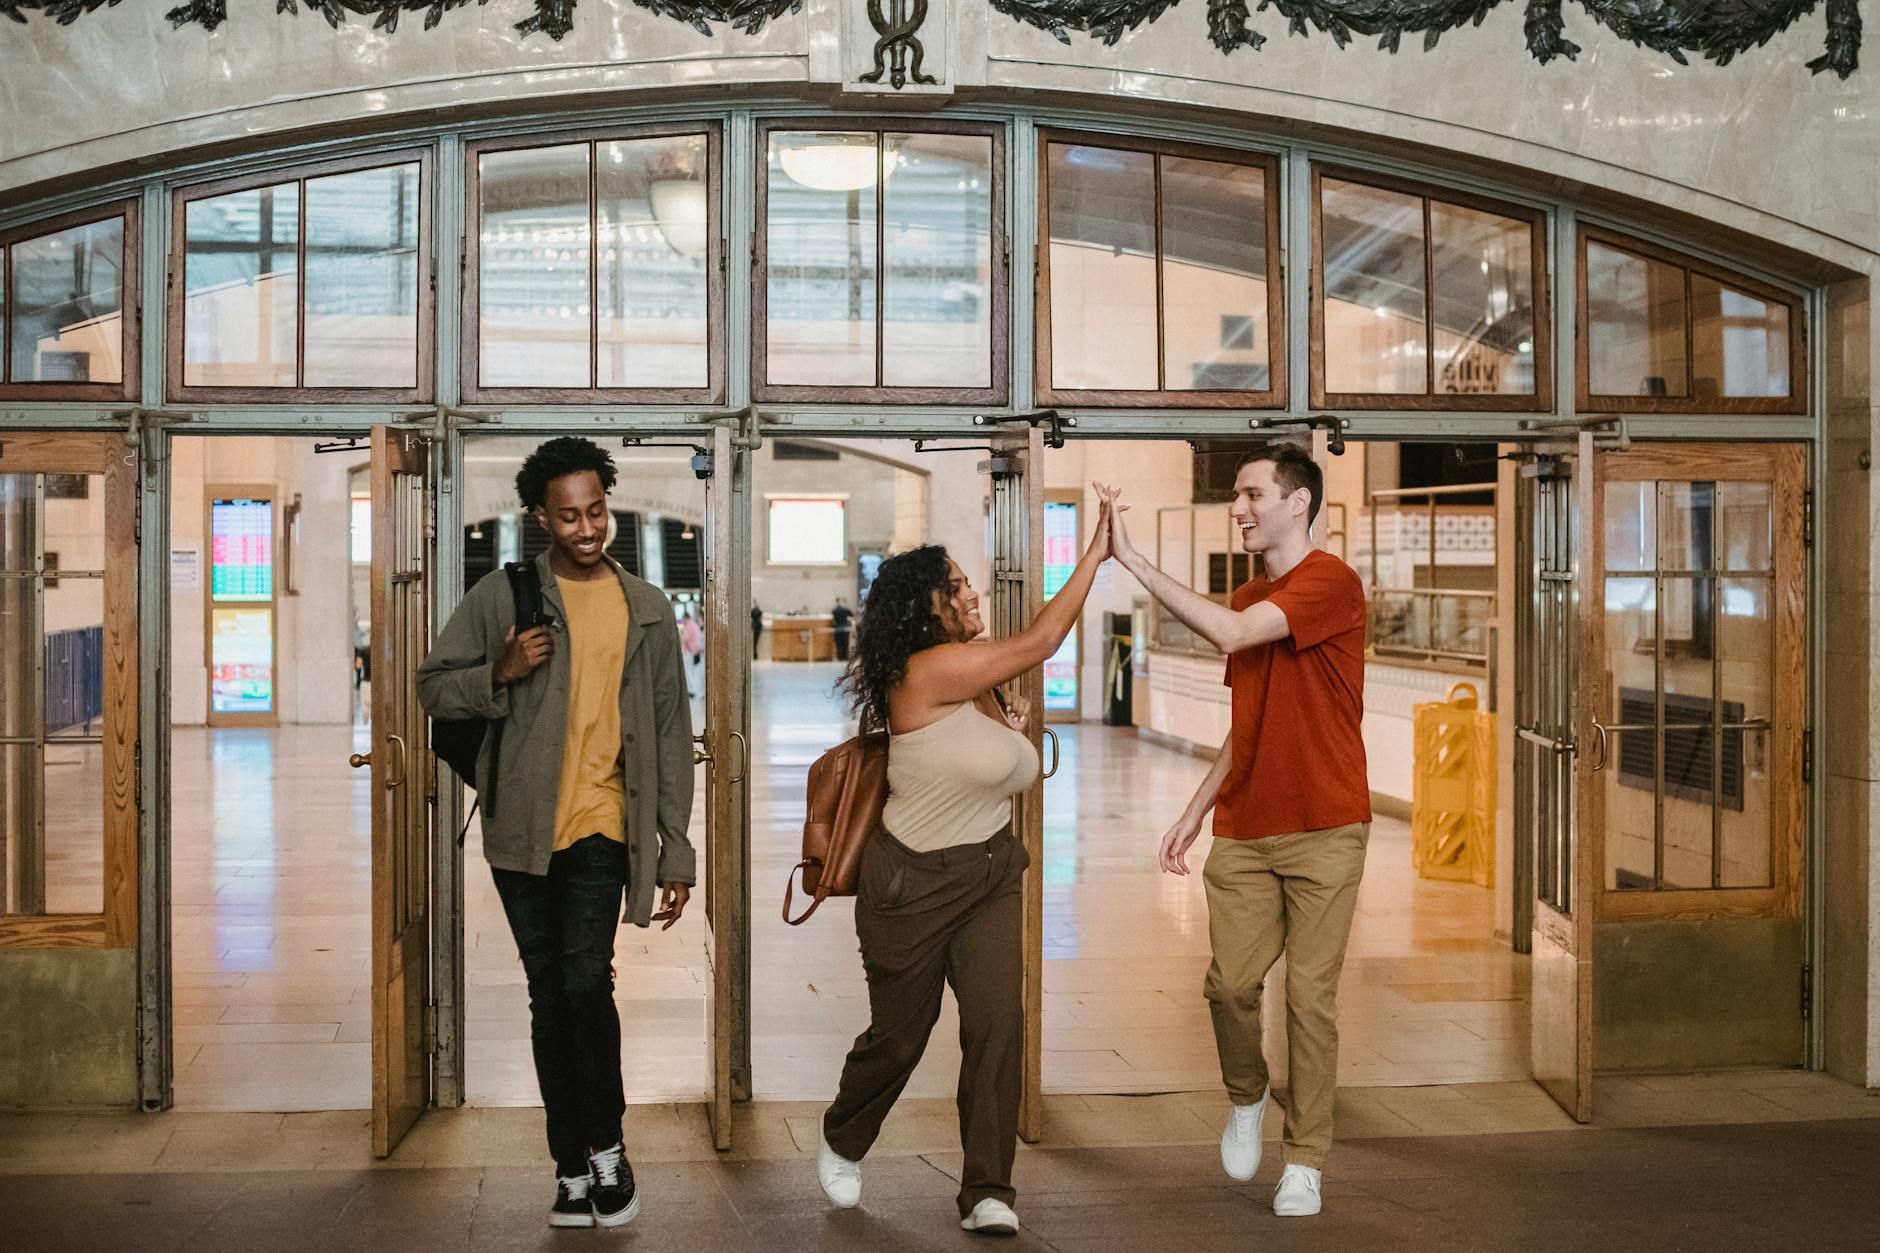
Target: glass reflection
(1214, 276)
(1376, 290)
(1739, 344)
(67, 298)
(533, 316)
(1634, 324)
(820, 231)
(651, 197)
(241, 288)
(362, 279)
(936, 324)
(1482, 301)
(1103, 300)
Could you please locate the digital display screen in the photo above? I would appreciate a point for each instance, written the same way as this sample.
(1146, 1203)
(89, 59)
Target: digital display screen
(241, 660)
(1060, 558)
(241, 550)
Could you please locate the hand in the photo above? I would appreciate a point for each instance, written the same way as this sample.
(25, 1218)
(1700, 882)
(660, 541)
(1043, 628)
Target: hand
(523, 653)
(1120, 547)
(672, 899)
(1018, 714)
(1173, 854)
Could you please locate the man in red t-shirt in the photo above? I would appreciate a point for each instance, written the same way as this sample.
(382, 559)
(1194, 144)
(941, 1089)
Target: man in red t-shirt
(1291, 801)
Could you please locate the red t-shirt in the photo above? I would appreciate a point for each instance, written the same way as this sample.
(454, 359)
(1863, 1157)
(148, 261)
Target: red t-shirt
(1298, 747)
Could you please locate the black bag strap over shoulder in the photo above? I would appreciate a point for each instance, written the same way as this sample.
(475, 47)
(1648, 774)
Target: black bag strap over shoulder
(525, 591)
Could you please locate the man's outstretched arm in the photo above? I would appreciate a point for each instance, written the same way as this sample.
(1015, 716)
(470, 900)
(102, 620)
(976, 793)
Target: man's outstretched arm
(1173, 854)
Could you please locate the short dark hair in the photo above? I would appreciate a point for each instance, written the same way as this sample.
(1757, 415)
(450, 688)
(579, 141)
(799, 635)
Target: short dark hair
(1294, 468)
(570, 454)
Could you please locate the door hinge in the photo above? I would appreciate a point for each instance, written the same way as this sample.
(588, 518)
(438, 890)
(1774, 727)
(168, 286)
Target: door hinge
(1808, 518)
(1808, 755)
(430, 1027)
(1808, 990)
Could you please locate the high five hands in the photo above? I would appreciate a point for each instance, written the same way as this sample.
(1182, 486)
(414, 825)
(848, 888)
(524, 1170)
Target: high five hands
(1111, 513)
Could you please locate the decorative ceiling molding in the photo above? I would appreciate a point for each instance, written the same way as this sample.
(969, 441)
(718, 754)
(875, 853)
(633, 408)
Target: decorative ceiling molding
(1719, 30)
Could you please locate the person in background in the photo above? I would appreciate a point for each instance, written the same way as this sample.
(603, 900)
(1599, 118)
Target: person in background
(1292, 806)
(842, 616)
(937, 900)
(692, 644)
(592, 795)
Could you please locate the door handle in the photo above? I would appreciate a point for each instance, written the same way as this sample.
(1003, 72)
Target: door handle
(1547, 742)
(1052, 736)
(744, 757)
(358, 761)
(402, 761)
(1599, 747)
(701, 755)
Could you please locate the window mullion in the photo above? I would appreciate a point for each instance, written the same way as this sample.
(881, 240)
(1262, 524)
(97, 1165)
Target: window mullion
(881, 248)
(300, 284)
(1161, 331)
(593, 260)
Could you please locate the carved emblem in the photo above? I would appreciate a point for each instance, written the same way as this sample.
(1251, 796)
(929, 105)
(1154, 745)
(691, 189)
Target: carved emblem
(897, 27)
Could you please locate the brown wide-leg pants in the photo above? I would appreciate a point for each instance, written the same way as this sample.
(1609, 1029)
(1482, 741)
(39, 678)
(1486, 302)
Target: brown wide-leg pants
(947, 916)
(1293, 894)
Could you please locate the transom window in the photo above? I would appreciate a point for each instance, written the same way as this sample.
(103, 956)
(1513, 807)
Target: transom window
(595, 268)
(1660, 332)
(304, 285)
(880, 264)
(64, 287)
(1425, 299)
(1158, 275)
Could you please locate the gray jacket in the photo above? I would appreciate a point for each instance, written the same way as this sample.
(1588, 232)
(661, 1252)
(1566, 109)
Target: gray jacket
(655, 730)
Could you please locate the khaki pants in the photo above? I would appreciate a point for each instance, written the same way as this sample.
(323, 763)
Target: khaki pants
(926, 920)
(1294, 894)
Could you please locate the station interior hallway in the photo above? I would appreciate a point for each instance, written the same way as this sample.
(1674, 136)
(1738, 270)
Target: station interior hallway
(272, 949)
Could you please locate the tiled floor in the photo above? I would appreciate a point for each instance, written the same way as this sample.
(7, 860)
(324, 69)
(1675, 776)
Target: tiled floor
(1755, 1162)
(272, 948)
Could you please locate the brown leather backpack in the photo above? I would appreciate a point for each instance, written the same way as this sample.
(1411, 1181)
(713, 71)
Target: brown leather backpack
(848, 785)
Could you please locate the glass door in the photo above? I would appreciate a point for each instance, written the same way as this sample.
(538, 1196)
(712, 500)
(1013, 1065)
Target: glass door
(1695, 689)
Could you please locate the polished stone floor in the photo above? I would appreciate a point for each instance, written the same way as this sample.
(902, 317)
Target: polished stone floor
(1757, 1162)
(272, 948)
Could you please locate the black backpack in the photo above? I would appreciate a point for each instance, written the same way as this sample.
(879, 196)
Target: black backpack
(458, 741)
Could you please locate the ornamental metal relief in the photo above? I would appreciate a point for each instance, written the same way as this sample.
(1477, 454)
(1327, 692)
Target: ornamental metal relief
(1718, 30)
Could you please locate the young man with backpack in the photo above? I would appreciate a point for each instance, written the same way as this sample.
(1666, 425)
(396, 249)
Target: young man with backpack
(586, 794)
(1292, 806)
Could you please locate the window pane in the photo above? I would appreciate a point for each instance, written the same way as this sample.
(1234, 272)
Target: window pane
(1376, 315)
(1102, 229)
(362, 279)
(1634, 324)
(650, 273)
(1739, 344)
(820, 249)
(1484, 301)
(1631, 631)
(1748, 643)
(241, 288)
(52, 689)
(68, 306)
(1745, 519)
(937, 302)
(807, 532)
(1214, 276)
(533, 319)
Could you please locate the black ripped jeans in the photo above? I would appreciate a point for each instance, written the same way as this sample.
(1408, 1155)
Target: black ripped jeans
(564, 923)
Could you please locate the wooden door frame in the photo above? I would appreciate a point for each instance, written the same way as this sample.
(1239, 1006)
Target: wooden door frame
(1785, 468)
(115, 926)
(398, 452)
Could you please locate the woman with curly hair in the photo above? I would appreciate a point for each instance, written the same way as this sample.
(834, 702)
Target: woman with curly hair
(937, 900)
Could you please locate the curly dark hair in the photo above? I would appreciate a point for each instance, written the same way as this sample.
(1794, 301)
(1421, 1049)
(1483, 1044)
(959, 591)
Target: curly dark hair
(898, 620)
(570, 454)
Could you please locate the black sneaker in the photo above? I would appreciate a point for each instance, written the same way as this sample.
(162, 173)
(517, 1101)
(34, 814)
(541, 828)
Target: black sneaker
(571, 1207)
(611, 1191)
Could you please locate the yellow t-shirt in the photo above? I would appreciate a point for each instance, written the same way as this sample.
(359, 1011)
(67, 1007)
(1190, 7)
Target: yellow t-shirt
(591, 800)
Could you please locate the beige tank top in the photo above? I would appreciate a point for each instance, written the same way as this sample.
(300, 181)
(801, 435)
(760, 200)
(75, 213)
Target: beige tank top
(952, 781)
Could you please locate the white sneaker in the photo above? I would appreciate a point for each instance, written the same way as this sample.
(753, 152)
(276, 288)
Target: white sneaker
(1298, 1193)
(991, 1218)
(841, 1179)
(1240, 1142)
